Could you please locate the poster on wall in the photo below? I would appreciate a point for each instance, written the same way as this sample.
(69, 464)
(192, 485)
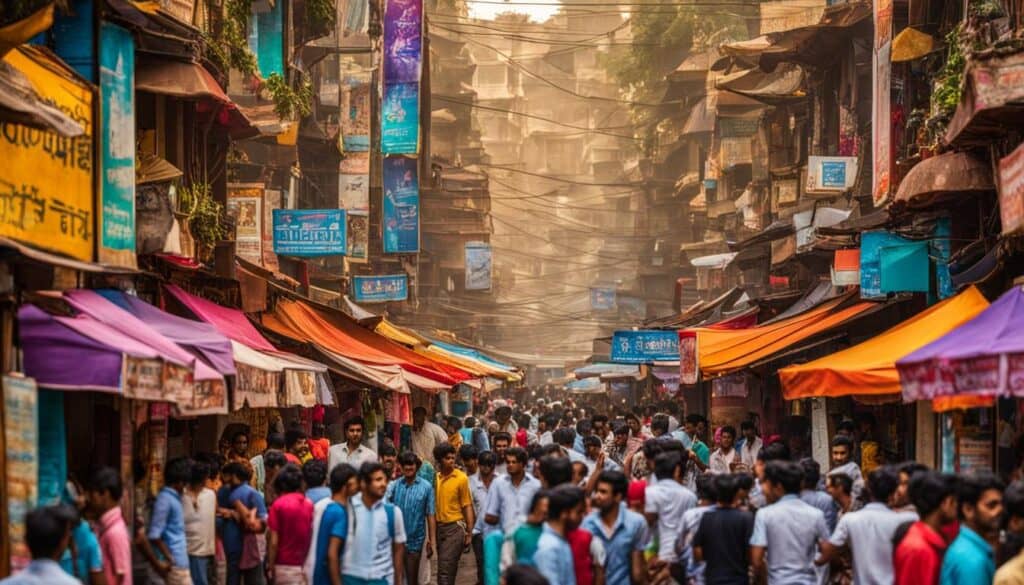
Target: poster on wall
(309, 233)
(1011, 191)
(358, 236)
(271, 201)
(689, 371)
(602, 298)
(355, 108)
(354, 192)
(245, 206)
(400, 119)
(403, 41)
(478, 266)
(355, 163)
(401, 223)
(380, 289)
(117, 184)
(22, 470)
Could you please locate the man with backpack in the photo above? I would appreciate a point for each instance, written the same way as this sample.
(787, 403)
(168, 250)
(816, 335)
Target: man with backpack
(375, 547)
(414, 496)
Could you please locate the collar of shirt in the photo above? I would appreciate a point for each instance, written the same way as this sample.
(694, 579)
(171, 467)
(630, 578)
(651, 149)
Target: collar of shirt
(357, 502)
(620, 521)
(928, 534)
(456, 472)
(549, 530)
(110, 518)
(975, 540)
(787, 497)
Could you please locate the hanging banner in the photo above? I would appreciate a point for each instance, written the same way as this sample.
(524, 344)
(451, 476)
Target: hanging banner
(644, 346)
(871, 244)
(358, 236)
(271, 201)
(478, 266)
(21, 437)
(355, 109)
(400, 119)
(401, 223)
(380, 289)
(245, 206)
(689, 368)
(602, 298)
(881, 119)
(117, 185)
(46, 181)
(403, 41)
(1011, 191)
(309, 233)
(354, 192)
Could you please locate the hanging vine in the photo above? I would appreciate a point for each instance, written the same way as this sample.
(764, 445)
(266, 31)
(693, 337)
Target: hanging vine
(290, 102)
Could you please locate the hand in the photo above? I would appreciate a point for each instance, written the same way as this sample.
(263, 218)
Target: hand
(599, 465)
(430, 550)
(163, 568)
(467, 539)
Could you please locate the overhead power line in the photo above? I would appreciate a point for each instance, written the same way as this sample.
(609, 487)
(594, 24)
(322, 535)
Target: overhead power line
(534, 117)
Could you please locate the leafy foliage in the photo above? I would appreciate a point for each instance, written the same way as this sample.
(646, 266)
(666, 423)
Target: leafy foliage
(948, 85)
(204, 213)
(290, 103)
(320, 14)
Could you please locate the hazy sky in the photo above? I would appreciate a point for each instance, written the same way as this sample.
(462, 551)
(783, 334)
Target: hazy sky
(490, 10)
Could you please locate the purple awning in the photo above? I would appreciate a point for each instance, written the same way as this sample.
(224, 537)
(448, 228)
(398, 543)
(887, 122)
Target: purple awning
(61, 358)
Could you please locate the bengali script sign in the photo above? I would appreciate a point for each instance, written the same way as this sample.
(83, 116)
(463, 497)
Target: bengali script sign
(309, 232)
(403, 41)
(380, 289)
(401, 205)
(645, 346)
(400, 119)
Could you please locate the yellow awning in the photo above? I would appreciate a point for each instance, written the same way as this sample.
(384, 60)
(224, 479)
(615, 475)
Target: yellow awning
(869, 368)
(399, 334)
(422, 345)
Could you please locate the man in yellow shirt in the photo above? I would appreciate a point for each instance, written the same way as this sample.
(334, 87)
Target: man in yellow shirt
(1012, 571)
(454, 514)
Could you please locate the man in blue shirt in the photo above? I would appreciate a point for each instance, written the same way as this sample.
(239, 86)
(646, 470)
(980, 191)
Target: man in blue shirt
(333, 529)
(47, 536)
(314, 474)
(166, 530)
(622, 531)
(240, 510)
(554, 559)
(970, 560)
(414, 496)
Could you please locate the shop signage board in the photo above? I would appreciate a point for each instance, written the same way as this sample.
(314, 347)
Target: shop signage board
(380, 289)
(245, 206)
(1011, 191)
(401, 207)
(117, 144)
(478, 266)
(881, 116)
(358, 236)
(400, 119)
(689, 367)
(403, 41)
(309, 233)
(831, 173)
(21, 485)
(645, 346)
(46, 181)
(355, 109)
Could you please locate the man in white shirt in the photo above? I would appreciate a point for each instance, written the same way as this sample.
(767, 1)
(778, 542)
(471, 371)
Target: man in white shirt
(666, 501)
(352, 451)
(426, 435)
(725, 458)
(200, 513)
(751, 444)
(842, 462)
(375, 548)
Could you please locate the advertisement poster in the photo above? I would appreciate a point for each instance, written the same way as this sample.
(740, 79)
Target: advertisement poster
(401, 224)
(1011, 191)
(478, 266)
(354, 192)
(355, 106)
(271, 201)
(245, 206)
(602, 298)
(309, 233)
(380, 289)
(645, 346)
(400, 119)
(881, 119)
(117, 188)
(689, 370)
(355, 163)
(403, 41)
(21, 485)
(358, 236)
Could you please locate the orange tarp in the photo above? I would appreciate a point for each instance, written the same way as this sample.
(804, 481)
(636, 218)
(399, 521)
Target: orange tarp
(870, 367)
(721, 351)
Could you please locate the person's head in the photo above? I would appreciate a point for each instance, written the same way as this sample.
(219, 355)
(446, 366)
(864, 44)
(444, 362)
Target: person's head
(319, 430)
(344, 480)
(388, 458)
(774, 452)
(610, 491)
(812, 473)
(240, 444)
(515, 461)
(700, 425)
(444, 456)
(584, 428)
(501, 442)
(749, 430)
(883, 483)
(659, 425)
(236, 473)
(555, 471)
(633, 423)
(410, 464)
(621, 436)
(565, 506)
(599, 425)
(592, 445)
(934, 496)
(314, 473)
(419, 416)
(564, 437)
(726, 486)
(781, 478)
(502, 414)
(839, 486)
(469, 457)
(706, 488)
(104, 490)
(275, 442)
(579, 472)
(46, 533)
(727, 437)
(907, 471)
(452, 424)
(524, 421)
(296, 441)
(200, 473)
(842, 450)
(288, 480)
(538, 508)
(178, 472)
(668, 465)
(846, 429)
(354, 427)
(1013, 502)
(980, 502)
(373, 482)
(486, 462)
(273, 461)
(520, 574)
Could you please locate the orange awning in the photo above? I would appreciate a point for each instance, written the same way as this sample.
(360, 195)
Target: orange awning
(721, 351)
(962, 402)
(870, 367)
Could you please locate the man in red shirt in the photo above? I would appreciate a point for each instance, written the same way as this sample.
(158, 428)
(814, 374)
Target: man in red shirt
(104, 496)
(917, 559)
(291, 528)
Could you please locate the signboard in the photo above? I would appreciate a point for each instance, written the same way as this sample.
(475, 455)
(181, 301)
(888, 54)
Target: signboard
(354, 191)
(403, 41)
(689, 370)
(478, 266)
(974, 455)
(271, 201)
(831, 173)
(358, 236)
(881, 118)
(401, 223)
(602, 298)
(380, 289)
(645, 346)
(21, 438)
(355, 109)
(309, 232)
(871, 244)
(117, 182)
(266, 40)
(245, 206)
(46, 181)
(785, 192)
(1011, 190)
(400, 119)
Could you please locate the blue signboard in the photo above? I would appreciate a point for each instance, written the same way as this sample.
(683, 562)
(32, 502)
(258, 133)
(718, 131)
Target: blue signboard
(478, 266)
(833, 174)
(400, 119)
(117, 93)
(380, 289)
(602, 298)
(266, 40)
(645, 346)
(401, 225)
(871, 244)
(309, 232)
(74, 39)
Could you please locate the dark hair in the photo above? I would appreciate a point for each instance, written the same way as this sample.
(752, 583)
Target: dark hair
(524, 420)
(288, 480)
(275, 441)
(388, 450)
(551, 420)
(774, 452)
(487, 458)
(519, 453)
(340, 476)
(555, 470)
(292, 436)
(468, 451)
(599, 418)
(706, 487)
(910, 468)
(784, 473)
(237, 469)
(621, 430)
(744, 481)
(419, 410)
(550, 449)
(842, 481)
(354, 420)
(200, 473)
(843, 441)
(728, 430)
(470, 422)
(695, 419)
(442, 450)
(107, 479)
(883, 483)
(519, 574)
(726, 486)
(178, 470)
(748, 424)
(592, 441)
(454, 422)
(213, 461)
(847, 426)
(314, 473)
(274, 458)
(659, 423)
(502, 410)
(318, 430)
(238, 434)
(369, 468)
(665, 464)
(564, 436)
(812, 473)
(973, 487)
(928, 489)
(1013, 500)
(562, 499)
(44, 532)
(409, 458)
(583, 427)
(502, 436)
(616, 480)
(537, 497)
(67, 514)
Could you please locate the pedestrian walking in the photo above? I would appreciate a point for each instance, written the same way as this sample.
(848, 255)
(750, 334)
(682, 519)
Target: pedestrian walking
(314, 478)
(374, 552)
(511, 494)
(622, 533)
(917, 559)
(751, 446)
(820, 499)
(352, 451)
(414, 496)
(1012, 571)
(970, 559)
(165, 547)
(47, 536)
(290, 523)
(554, 556)
(725, 459)
(104, 496)
(665, 502)
(843, 463)
(200, 509)
(426, 435)
(331, 528)
(722, 537)
(689, 566)
(454, 514)
(521, 547)
(243, 511)
(480, 482)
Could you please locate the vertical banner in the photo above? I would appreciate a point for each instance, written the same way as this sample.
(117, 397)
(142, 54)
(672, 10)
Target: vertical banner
(22, 456)
(689, 367)
(881, 118)
(478, 266)
(400, 119)
(401, 221)
(245, 206)
(358, 236)
(117, 184)
(355, 110)
(271, 201)
(403, 41)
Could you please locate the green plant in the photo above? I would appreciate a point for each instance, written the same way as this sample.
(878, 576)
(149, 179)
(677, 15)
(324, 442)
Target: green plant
(228, 46)
(290, 102)
(203, 213)
(948, 85)
(320, 14)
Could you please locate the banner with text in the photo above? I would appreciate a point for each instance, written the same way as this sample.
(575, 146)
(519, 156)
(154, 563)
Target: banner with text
(400, 119)
(401, 222)
(245, 206)
(881, 118)
(403, 41)
(117, 186)
(380, 289)
(645, 346)
(478, 266)
(309, 233)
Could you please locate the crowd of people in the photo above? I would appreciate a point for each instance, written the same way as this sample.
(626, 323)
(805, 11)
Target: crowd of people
(550, 494)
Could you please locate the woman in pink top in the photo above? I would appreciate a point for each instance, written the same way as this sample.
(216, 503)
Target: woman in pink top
(291, 528)
(104, 493)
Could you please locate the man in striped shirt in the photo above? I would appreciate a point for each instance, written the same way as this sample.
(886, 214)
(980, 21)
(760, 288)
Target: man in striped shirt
(414, 496)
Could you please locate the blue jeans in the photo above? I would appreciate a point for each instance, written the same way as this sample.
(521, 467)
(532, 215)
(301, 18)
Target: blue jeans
(350, 580)
(199, 567)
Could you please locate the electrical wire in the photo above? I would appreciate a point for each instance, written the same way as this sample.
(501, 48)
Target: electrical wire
(583, 129)
(554, 178)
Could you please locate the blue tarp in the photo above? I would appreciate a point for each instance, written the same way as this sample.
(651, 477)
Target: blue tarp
(472, 353)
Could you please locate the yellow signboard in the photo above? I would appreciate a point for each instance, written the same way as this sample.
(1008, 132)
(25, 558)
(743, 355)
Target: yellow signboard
(46, 180)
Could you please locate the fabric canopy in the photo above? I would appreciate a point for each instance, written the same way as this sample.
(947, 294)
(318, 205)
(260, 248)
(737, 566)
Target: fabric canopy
(721, 351)
(982, 357)
(602, 370)
(869, 368)
(230, 322)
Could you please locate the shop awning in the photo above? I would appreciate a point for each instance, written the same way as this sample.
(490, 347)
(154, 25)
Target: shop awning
(177, 79)
(869, 368)
(982, 357)
(606, 371)
(992, 104)
(701, 118)
(786, 83)
(20, 102)
(585, 386)
(950, 173)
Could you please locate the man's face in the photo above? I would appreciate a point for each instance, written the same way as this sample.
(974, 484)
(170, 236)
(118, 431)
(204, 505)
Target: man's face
(500, 446)
(574, 517)
(513, 466)
(948, 509)
(772, 492)
(448, 463)
(503, 416)
(988, 512)
(728, 440)
(471, 465)
(702, 427)
(690, 428)
(621, 440)
(300, 446)
(593, 451)
(486, 469)
(840, 455)
(389, 461)
(240, 445)
(542, 426)
(354, 434)
(901, 497)
(599, 429)
(758, 469)
(579, 472)
(409, 472)
(604, 498)
(634, 425)
(540, 513)
(352, 488)
(418, 418)
(749, 434)
(376, 485)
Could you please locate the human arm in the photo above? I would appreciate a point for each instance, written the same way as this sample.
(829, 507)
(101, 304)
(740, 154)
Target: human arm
(637, 568)
(492, 507)
(627, 465)
(398, 550)
(592, 478)
(334, 559)
(757, 558)
(831, 546)
(467, 513)
(154, 536)
(431, 535)
(273, 541)
(695, 458)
